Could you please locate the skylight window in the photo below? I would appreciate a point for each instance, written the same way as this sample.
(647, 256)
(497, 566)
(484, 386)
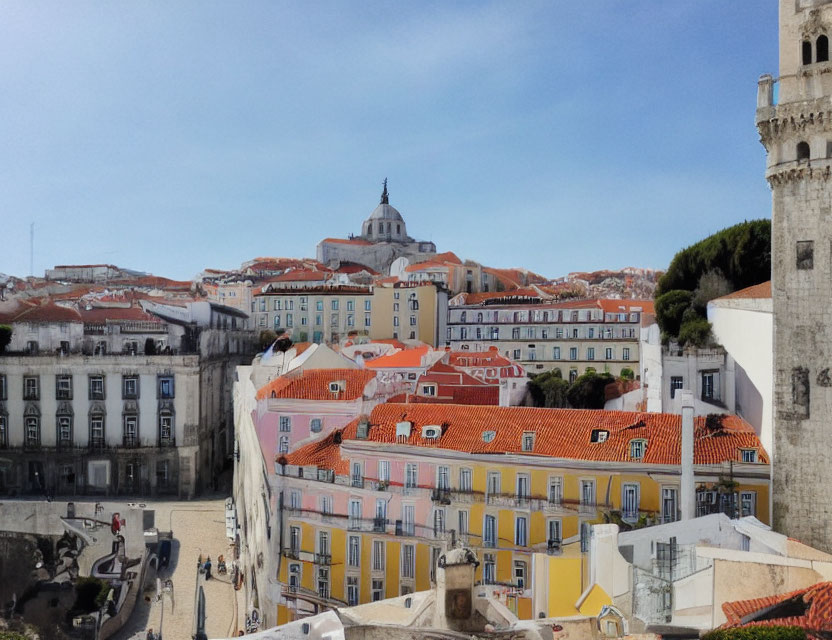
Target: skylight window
(599, 435)
(488, 436)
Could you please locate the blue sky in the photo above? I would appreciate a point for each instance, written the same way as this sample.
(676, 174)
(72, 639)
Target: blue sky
(173, 136)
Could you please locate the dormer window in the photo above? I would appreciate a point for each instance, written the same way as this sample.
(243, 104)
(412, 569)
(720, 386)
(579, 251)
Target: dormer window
(431, 432)
(488, 436)
(638, 448)
(599, 435)
(528, 441)
(748, 455)
(334, 387)
(429, 390)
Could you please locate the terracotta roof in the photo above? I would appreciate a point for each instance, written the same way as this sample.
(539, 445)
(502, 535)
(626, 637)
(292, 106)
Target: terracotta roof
(354, 267)
(356, 241)
(625, 306)
(407, 358)
(42, 311)
(815, 601)
(762, 290)
(561, 433)
(447, 256)
(477, 298)
(302, 275)
(324, 454)
(115, 314)
(490, 358)
(427, 264)
(313, 384)
(393, 341)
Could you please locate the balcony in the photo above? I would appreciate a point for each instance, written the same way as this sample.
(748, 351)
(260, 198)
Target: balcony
(323, 558)
(97, 443)
(357, 481)
(31, 395)
(379, 525)
(167, 441)
(553, 546)
(130, 442)
(442, 496)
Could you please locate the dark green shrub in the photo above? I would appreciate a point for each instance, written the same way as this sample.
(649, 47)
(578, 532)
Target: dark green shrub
(5, 336)
(757, 633)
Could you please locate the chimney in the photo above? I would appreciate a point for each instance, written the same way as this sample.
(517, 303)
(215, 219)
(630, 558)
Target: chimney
(688, 492)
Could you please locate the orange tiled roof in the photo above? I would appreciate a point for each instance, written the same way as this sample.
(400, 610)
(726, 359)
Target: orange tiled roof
(302, 275)
(624, 306)
(42, 311)
(324, 454)
(407, 358)
(313, 384)
(561, 433)
(490, 358)
(762, 290)
(816, 599)
(356, 241)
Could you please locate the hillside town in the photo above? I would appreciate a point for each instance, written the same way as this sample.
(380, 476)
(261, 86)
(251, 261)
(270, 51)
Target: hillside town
(390, 440)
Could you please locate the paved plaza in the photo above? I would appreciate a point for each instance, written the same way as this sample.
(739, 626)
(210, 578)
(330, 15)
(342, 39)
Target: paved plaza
(198, 528)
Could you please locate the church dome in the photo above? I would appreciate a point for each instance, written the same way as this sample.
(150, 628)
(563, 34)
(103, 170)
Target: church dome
(386, 212)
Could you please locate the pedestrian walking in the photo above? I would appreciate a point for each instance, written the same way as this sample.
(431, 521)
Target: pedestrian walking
(208, 568)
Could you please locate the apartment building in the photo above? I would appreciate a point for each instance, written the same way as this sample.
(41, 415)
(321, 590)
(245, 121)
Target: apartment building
(332, 313)
(117, 401)
(567, 336)
(364, 513)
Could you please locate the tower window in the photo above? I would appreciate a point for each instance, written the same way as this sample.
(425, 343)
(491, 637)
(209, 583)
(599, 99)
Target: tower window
(822, 49)
(805, 254)
(807, 52)
(802, 151)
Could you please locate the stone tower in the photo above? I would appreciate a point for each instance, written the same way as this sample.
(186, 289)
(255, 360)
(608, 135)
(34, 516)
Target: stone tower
(794, 119)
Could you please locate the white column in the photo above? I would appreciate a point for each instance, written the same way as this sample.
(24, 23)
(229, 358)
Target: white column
(688, 493)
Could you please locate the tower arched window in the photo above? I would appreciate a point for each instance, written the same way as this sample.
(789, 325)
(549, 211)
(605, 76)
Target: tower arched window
(802, 151)
(806, 50)
(822, 49)
(398, 228)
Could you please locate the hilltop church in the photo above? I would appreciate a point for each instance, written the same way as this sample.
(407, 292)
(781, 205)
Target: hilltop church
(383, 239)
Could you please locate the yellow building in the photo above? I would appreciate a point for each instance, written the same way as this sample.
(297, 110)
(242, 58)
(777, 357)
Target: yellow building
(409, 311)
(366, 511)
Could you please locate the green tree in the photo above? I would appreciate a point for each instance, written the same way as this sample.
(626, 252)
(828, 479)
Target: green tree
(548, 389)
(627, 374)
(587, 392)
(5, 336)
(267, 338)
(670, 307)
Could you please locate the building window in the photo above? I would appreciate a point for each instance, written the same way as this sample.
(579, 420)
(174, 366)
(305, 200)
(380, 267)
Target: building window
(748, 503)
(368, 305)
(521, 529)
(515, 333)
(290, 322)
(669, 502)
(608, 353)
(354, 551)
(463, 524)
(555, 490)
(522, 487)
(4, 432)
(410, 475)
(367, 319)
(326, 505)
(315, 425)
(625, 353)
(520, 574)
(166, 427)
(166, 389)
(629, 501)
(590, 353)
(676, 383)
(637, 448)
(283, 445)
(294, 499)
(408, 561)
(573, 353)
(556, 353)
(286, 423)
(806, 52)
(96, 387)
(384, 471)
(489, 531)
(96, 430)
(528, 441)
(63, 387)
(31, 388)
(3, 395)
(32, 431)
(319, 319)
(553, 534)
(378, 555)
(355, 509)
(396, 323)
(64, 431)
(438, 522)
(131, 430)
(294, 577)
(443, 480)
(588, 493)
(822, 49)
(516, 354)
(585, 535)
(130, 387)
(749, 455)
(489, 569)
(323, 582)
(357, 475)
(408, 519)
(352, 590)
(710, 386)
(805, 254)
(429, 390)
(377, 591)
(465, 480)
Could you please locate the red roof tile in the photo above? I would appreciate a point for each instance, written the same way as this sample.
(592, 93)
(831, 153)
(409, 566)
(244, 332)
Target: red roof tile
(313, 384)
(561, 433)
(407, 358)
(816, 599)
(762, 290)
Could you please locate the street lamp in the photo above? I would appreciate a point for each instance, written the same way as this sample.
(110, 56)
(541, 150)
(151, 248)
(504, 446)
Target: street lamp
(164, 589)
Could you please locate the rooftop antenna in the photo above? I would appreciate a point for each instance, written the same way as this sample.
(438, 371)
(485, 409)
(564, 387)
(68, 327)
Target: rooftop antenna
(32, 249)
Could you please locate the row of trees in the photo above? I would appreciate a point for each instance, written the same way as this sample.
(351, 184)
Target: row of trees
(549, 389)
